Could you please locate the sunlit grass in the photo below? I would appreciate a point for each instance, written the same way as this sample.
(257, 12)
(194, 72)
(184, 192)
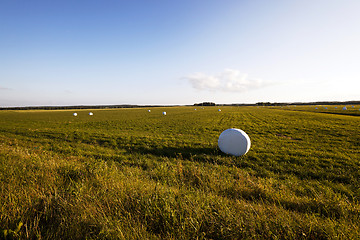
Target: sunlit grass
(131, 174)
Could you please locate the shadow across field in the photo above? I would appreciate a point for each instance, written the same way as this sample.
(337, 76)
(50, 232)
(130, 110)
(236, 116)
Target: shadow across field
(200, 154)
(330, 208)
(144, 146)
(140, 151)
(344, 113)
(70, 143)
(174, 152)
(355, 114)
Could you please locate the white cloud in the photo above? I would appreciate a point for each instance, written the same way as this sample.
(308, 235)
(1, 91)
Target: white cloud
(230, 80)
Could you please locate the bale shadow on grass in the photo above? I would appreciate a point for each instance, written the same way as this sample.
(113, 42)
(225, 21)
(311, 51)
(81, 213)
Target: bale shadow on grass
(175, 152)
(210, 155)
(138, 147)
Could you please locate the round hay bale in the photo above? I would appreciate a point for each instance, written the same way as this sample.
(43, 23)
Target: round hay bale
(164, 113)
(75, 114)
(234, 141)
(90, 114)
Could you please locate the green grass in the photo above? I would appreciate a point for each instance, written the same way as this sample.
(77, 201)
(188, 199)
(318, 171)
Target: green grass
(131, 174)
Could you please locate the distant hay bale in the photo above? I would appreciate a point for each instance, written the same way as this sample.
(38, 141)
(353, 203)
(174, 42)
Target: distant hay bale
(344, 108)
(75, 114)
(164, 113)
(90, 114)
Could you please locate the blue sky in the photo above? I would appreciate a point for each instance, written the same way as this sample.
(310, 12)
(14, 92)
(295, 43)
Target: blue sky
(178, 52)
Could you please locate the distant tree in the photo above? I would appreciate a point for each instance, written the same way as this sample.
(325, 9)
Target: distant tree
(263, 104)
(205, 104)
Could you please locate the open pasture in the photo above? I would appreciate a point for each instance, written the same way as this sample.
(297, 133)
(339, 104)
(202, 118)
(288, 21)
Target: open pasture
(351, 110)
(135, 174)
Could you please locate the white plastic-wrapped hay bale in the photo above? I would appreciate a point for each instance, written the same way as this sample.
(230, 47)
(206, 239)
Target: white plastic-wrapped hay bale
(234, 141)
(316, 108)
(75, 114)
(219, 110)
(149, 110)
(164, 113)
(344, 108)
(90, 114)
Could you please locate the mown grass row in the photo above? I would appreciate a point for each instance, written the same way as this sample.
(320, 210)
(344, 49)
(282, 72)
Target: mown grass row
(151, 177)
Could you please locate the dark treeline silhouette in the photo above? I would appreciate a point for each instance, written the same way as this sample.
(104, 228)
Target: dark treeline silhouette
(79, 107)
(196, 104)
(328, 103)
(293, 103)
(205, 104)
(271, 104)
(308, 103)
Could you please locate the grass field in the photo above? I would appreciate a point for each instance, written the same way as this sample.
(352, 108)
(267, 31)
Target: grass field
(131, 174)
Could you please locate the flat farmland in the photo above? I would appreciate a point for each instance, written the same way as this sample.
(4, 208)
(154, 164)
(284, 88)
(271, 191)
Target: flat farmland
(134, 174)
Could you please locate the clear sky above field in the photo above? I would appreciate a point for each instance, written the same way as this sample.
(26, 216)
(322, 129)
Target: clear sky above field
(178, 52)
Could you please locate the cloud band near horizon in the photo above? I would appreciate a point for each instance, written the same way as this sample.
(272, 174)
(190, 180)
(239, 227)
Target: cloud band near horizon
(230, 80)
